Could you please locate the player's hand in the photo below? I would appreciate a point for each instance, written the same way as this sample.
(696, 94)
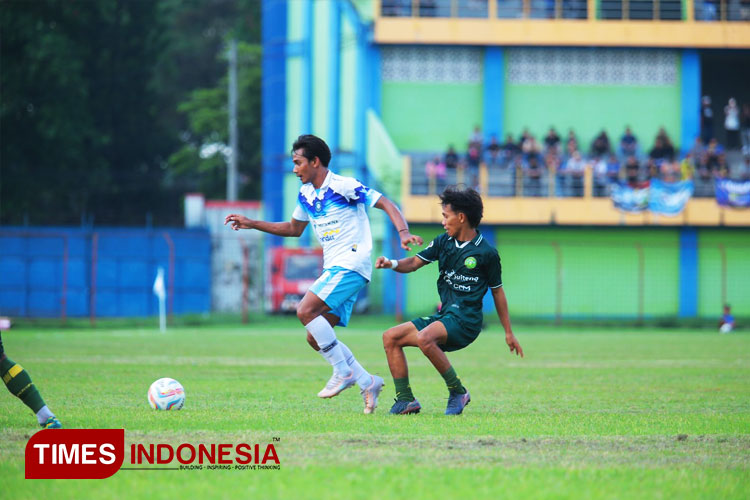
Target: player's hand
(382, 263)
(238, 222)
(408, 238)
(513, 344)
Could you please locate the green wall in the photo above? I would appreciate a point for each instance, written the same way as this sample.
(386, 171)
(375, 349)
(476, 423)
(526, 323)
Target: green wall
(737, 251)
(430, 116)
(600, 269)
(588, 109)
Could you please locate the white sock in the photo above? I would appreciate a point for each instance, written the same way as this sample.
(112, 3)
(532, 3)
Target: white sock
(364, 379)
(324, 335)
(43, 414)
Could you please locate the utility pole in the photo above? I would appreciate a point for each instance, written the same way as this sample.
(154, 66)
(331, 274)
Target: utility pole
(233, 149)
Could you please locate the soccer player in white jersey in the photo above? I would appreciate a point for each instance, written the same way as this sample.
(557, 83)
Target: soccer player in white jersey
(336, 207)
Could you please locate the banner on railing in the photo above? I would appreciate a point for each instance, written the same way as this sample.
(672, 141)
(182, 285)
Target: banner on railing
(732, 193)
(629, 199)
(665, 198)
(669, 198)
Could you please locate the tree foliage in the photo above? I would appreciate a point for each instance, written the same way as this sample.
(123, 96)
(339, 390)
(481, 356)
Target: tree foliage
(106, 106)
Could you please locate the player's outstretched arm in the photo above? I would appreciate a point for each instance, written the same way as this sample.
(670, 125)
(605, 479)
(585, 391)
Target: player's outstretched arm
(501, 306)
(398, 220)
(406, 265)
(292, 228)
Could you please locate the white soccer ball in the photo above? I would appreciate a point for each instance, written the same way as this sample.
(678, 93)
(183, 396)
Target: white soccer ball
(166, 394)
(726, 328)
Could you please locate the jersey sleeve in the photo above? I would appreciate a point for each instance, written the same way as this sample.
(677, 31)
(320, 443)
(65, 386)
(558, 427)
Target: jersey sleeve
(366, 195)
(432, 252)
(300, 214)
(494, 271)
(359, 193)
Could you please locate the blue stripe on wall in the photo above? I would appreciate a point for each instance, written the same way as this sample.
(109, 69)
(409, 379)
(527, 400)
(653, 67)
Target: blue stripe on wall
(690, 95)
(334, 89)
(494, 88)
(274, 110)
(306, 81)
(688, 273)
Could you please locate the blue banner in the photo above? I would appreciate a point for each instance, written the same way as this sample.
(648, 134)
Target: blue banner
(732, 193)
(666, 198)
(669, 198)
(629, 199)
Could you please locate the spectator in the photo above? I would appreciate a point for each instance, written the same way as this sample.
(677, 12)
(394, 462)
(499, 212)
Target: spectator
(476, 139)
(600, 146)
(473, 159)
(435, 170)
(510, 148)
(707, 120)
(493, 151)
(533, 176)
(713, 152)
(726, 324)
(600, 176)
(732, 123)
(745, 126)
(698, 151)
(575, 168)
(529, 144)
(613, 169)
(571, 145)
(744, 174)
(661, 152)
(687, 167)
(451, 159)
(553, 165)
(670, 171)
(552, 140)
(628, 143)
(722, 169)
(632, 172)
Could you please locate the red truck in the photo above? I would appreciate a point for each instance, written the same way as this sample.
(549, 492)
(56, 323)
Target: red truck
(292, 271)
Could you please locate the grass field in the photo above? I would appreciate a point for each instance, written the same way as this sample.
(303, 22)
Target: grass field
(589, 413)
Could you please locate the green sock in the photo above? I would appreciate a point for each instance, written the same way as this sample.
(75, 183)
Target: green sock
(19, 383)
(403, 389)
(453, 383)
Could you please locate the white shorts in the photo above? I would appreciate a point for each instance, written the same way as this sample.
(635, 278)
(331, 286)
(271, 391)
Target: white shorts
(338, 288)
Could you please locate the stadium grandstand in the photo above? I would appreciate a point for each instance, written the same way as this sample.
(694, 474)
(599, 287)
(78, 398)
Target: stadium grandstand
(550, 108)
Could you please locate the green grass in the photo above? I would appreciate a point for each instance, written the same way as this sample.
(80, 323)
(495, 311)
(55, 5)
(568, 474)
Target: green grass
(589, 413)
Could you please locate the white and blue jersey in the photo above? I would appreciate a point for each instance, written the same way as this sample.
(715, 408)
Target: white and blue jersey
(338, 217)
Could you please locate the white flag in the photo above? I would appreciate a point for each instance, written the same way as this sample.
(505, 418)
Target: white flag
(159, 289)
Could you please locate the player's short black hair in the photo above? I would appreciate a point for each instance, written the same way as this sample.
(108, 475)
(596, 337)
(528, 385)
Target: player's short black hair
(311, 147)
(465, 200)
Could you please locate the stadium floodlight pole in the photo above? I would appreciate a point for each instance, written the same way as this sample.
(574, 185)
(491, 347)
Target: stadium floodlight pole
(233, 152)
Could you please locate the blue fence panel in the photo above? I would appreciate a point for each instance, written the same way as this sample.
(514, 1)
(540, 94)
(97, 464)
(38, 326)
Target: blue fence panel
(47, 272)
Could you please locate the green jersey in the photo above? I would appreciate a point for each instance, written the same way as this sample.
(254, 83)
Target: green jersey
(467, 269)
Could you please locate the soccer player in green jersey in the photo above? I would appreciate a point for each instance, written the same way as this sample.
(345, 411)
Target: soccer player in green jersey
(468, 267)
(19, 383)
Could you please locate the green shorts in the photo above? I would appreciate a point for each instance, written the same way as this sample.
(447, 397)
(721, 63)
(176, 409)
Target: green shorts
(460, 334)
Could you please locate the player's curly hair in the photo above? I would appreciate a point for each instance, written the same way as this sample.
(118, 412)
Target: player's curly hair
(465, 200)
(311, 147)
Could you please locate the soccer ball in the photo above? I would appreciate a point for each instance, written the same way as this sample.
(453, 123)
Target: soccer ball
(166, 394)
(726, 328)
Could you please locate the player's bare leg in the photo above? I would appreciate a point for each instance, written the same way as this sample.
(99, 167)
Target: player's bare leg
(429, 340)
(394, 341)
